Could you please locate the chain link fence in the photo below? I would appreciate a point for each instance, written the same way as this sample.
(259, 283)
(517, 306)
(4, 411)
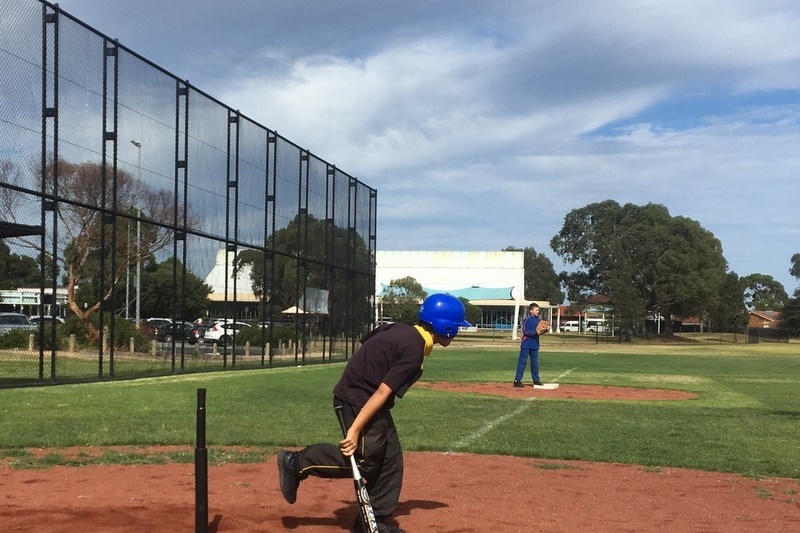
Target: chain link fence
(127, 193)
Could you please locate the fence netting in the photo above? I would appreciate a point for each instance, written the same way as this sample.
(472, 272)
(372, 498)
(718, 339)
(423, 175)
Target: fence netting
(126, 193)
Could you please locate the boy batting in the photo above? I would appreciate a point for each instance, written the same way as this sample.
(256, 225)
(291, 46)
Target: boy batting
(388, 362)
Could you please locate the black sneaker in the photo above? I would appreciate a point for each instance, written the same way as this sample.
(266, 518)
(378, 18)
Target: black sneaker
(518, 383)
(287, 475)
(383, 526)
(537, 383)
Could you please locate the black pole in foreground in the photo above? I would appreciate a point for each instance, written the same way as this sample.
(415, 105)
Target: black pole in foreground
(201, 468)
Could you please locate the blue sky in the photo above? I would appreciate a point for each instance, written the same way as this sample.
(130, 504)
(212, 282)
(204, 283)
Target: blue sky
(482, 124)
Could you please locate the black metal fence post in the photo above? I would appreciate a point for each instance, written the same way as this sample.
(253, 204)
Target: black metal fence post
(201, 467)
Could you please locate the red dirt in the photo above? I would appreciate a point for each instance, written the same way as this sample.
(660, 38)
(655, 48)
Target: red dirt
(443, 493)
(582, 392)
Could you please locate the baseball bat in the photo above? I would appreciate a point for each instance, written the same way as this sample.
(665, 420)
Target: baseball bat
(364, 503)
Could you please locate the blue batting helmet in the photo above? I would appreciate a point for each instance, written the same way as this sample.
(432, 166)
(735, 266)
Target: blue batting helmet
(445, 313)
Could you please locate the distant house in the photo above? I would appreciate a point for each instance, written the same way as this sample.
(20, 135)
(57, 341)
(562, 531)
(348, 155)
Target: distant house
(687, 324)
(766, 319)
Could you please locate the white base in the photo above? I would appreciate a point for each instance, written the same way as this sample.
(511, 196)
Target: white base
(546, 386)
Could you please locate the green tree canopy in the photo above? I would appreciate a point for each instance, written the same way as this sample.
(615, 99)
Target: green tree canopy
(763, 293)
(473, 313)
(313, 253)
(644, 259)
(792, 314)
(541, 279)
(795, 270)
(17, 270)
(727, 311)
(792, 307)
(158, 286)
(401, 300)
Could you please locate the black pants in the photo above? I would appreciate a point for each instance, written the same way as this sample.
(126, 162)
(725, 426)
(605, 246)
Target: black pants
(379, 457)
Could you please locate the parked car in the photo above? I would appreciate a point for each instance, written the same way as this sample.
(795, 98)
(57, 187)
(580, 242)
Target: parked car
(36, 319)
(9, 321)
(150, 324)
(222, 332)
(180, 331)
(197, 335)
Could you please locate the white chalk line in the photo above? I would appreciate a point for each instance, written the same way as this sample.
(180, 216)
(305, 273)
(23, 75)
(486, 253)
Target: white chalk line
(469, 439)
(567, 373)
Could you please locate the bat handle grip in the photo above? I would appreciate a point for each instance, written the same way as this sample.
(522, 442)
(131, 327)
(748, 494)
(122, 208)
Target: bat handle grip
(365, 506)
(340, 416)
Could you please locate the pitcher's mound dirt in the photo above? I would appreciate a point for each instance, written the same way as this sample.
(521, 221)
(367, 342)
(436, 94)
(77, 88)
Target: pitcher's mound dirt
(583, 392)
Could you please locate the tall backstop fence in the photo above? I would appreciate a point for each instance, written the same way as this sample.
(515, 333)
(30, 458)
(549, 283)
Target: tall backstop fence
(127, 193)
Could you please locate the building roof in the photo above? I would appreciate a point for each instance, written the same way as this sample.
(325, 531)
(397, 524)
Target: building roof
(479, 293)
(470, 293)
(769, 315)
(473, 275)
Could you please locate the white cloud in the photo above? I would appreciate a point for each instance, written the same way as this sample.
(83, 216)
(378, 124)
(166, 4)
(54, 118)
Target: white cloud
(482, 124)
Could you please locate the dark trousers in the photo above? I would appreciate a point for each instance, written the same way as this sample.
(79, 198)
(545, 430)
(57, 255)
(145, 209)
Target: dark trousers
(379, 457)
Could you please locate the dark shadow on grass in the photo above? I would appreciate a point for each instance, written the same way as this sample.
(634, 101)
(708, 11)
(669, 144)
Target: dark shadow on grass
(790, 414)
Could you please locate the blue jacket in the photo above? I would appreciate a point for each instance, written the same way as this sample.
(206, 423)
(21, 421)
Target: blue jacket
(530, 339)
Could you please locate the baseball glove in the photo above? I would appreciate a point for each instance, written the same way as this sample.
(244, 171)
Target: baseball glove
(542, 327)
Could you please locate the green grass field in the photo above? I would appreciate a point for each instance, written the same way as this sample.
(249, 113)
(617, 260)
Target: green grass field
(745, 419)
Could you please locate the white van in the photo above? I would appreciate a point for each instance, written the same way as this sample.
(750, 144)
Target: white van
(595, 325)
(571, 325)
(590, 325)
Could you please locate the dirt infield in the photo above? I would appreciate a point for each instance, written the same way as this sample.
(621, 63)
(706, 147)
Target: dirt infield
(443, 493)
(583, 392)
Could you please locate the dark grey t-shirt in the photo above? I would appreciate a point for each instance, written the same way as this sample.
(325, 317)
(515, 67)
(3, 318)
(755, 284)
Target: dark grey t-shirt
(391, 354)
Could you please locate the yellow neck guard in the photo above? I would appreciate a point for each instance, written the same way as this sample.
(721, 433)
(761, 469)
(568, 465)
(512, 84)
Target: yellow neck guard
(426, 335)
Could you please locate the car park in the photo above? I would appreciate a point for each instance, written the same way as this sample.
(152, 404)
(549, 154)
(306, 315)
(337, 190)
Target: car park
(179, 331)
(11, 321)
(150, 324)
(222, 332)
(197, 335)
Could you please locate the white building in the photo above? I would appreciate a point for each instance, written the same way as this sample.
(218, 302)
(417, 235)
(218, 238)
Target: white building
(493, 281)
(27, 300)
(217, 280)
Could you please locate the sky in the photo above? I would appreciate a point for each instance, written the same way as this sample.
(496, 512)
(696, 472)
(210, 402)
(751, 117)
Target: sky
(483, 124)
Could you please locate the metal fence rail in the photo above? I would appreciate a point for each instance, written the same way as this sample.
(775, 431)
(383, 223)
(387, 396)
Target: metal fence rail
(128, 174)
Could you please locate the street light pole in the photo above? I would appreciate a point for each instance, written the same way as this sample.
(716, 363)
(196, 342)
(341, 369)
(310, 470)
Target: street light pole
(138, 146)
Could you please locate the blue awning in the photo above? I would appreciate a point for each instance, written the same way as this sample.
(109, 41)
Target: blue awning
(469, 293)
